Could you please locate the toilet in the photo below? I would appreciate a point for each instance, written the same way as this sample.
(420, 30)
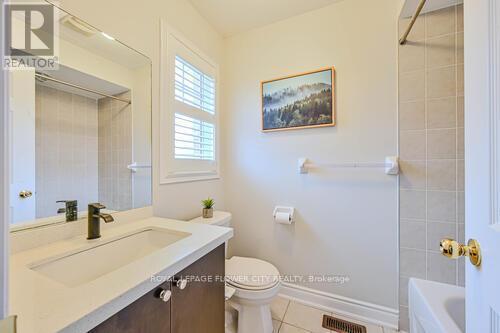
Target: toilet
(251, 285)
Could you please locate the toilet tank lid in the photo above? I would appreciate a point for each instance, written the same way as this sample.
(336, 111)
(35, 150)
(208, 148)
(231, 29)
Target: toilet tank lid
(220, 218)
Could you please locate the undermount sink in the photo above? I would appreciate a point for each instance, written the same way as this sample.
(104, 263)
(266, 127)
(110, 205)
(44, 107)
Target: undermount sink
(85, 265)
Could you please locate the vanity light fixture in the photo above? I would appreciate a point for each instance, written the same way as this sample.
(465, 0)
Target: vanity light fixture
(107, 36)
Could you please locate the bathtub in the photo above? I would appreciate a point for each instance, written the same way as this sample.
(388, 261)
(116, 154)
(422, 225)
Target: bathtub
(436, 307)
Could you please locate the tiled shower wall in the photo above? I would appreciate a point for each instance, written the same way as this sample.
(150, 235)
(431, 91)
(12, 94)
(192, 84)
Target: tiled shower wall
(66, 149)
(115, 153)
(431, 131)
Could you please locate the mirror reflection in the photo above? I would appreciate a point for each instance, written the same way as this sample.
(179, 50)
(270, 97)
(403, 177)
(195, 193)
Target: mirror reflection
(82, 133)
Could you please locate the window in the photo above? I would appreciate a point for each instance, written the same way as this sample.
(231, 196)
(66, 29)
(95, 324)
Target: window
(189, 115)
(194, 139)
(193, 87)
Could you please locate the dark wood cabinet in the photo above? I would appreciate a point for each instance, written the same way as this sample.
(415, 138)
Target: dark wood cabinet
(196, 304)
(199, 308)
(148, 314)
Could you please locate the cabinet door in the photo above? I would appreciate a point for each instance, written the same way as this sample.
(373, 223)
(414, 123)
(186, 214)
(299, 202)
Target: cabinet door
(149, 314)
(199, 307)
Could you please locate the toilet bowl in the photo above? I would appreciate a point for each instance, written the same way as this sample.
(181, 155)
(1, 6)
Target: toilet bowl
(253, 284)
(256, 283)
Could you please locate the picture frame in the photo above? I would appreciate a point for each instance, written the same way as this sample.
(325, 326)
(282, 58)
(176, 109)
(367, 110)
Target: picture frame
(305, 100)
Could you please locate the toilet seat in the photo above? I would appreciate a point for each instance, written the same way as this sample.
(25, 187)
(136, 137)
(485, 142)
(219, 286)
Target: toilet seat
(251, 274)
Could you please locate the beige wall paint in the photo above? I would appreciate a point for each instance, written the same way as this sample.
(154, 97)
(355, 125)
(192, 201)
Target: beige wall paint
(347, 221)
(138, 25)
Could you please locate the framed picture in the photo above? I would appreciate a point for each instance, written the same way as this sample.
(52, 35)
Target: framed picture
(299, 101)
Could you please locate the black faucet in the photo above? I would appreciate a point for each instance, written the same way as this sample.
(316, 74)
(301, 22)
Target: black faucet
(94, 220)
(71, 209)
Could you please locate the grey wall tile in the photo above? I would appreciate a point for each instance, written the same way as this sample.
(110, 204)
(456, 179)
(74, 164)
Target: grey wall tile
(412, 115)
(441, 269)
(460, 175)
(441, 206)
(412, 204)
(461, 272)
(413, 174)
(461, 233)
(461, 207)
(115, 141)
(440, 82)
(440, 22)
(441, 175)
(442, 113)
(441, 51)
(443, 153)
(404, 321)
(442, 144)
(460, 79)
(412, 86)
(418, 31)
(412, 145)
(460, 143)
(403, 290)
(436, 231)
(412, 263)
(413, 234)
(411, 57)
(460, 111)
(64, 150)
(460, 18)
(460, 48)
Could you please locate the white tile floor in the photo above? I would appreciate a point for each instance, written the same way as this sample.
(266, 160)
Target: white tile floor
(294, 317)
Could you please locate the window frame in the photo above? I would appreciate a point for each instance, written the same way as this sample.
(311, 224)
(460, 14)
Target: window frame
(178, 170)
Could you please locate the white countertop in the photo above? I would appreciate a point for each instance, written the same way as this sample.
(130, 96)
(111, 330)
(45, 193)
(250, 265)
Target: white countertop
(46, 306)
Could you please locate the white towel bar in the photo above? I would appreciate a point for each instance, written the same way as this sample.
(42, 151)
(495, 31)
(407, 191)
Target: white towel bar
(391, 165)
(134, 166)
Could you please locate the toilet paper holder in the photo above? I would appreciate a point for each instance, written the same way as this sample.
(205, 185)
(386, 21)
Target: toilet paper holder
(284, 210)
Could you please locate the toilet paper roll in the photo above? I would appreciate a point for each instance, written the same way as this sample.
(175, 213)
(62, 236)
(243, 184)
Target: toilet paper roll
(283, 218)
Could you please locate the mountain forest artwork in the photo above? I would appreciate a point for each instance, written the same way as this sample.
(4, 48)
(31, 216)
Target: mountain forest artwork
(299, 101)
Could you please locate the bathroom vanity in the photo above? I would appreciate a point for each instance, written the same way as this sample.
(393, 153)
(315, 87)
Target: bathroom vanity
(146, 275)
(192, 301)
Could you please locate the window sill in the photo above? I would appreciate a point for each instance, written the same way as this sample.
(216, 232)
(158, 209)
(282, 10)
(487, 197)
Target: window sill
(188, 178)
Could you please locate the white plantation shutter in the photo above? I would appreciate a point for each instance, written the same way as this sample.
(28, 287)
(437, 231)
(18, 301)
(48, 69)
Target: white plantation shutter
(194, 139)
(190, 121)
(193, 87)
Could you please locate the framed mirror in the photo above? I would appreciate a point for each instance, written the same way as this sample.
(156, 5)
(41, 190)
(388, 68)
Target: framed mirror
(80, 133)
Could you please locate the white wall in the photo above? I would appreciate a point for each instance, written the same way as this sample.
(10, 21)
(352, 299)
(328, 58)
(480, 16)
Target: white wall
(138, 25)
(347, 219)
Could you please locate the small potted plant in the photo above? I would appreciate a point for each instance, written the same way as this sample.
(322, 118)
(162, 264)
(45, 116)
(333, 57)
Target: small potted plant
(208, 208)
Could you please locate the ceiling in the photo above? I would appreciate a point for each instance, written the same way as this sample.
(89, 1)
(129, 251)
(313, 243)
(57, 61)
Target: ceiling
(230, 17)
(97, 43)
(410, 6)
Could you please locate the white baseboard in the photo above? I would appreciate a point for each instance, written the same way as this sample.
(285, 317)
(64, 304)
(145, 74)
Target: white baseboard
(363, 311)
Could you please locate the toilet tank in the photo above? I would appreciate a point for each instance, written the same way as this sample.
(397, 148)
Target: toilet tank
(220, 218)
